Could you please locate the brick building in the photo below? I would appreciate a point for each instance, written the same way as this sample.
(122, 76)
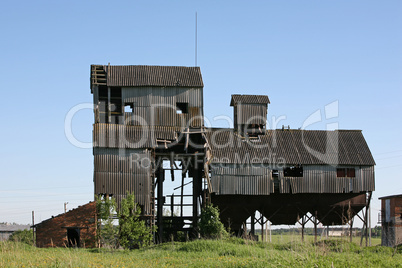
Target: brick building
(75, 228)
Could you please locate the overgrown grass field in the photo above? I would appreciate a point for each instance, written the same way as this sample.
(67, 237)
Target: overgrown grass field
(232, 252)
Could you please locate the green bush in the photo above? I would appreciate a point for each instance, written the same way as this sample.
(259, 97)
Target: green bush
(24, 236)
(133, 232)
(210, 224)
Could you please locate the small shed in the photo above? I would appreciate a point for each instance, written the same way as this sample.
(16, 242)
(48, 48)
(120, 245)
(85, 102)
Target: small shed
(6, 230)
(391, 220)
(75, 228)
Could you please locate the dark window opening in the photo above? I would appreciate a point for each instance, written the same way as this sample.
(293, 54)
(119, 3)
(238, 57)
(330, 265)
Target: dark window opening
(115, 101)
(73, 237)
(345, 173)
(182, 108)
(350, 172)
(293, 171)
(275, 177)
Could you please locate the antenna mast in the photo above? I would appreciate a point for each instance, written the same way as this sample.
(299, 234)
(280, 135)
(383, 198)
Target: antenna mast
(195, 38)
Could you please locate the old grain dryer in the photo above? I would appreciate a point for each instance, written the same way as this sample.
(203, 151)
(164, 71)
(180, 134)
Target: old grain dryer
(149, 115)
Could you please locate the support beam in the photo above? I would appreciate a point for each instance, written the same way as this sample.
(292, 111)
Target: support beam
(252, 231)
(303, 223)
(315, 226)
(160, 179)
(351, 230)
(197, 186)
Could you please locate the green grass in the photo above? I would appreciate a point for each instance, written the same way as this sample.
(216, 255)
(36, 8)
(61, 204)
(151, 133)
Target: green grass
(232, 252)
(310, 238)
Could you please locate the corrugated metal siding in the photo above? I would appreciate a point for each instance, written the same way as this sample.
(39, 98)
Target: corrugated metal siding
(183, 95)
(245, 180)
(196, 97)
(140, 75)
(123, 136)
(251, 114)
(232, 179)
(139, 96)
(118, 171)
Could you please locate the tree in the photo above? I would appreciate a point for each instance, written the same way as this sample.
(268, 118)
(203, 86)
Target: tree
(107, 232)
(210, 224)
(133, 231)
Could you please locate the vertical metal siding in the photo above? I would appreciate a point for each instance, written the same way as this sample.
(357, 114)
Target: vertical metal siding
(245, 180)
(183, 95)
(139, 96)
(196, 96)
(233, 179)
(117, 171)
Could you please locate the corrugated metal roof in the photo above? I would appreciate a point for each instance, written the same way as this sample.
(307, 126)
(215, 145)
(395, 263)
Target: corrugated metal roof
(13, 227)
(249, 99)
(308, 147)
(144, 75)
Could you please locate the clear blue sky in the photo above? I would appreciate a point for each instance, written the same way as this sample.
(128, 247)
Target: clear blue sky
(302, 54)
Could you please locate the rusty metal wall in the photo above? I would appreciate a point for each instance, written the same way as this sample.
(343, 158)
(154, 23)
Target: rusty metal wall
(138, 96)
(250, 114)
(123, 136)
(232, 179)
(245, 180)
(117, 171)
(158, 106)
(323, 179)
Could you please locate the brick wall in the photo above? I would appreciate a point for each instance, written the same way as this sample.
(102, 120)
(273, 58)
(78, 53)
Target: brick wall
(53, 232)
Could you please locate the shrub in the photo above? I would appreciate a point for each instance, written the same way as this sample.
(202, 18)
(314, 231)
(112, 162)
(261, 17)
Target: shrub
(133, 232)
(210, 224)
(24, 236)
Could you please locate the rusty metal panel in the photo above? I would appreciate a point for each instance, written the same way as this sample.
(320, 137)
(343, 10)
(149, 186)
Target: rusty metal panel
(245, 180)
(140, 116)
(138, 96)
(122, 160)
(164, 116)
(196, 97)
(183, 95)
(182, 120)
(251, 114)
(170, 97)
(118, 171)
(123, 136)
(120, 183)
(196, 117)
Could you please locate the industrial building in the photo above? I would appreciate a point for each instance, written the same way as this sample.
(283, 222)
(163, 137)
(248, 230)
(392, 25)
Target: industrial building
(149, 127)
(391, 220)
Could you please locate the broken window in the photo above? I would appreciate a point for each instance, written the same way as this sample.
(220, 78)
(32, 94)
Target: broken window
(345, 172)
(182, 108)
(128, 107)
(293, 171)
(275, 177)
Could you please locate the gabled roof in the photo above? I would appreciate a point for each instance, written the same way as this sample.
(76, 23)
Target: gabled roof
(291, 147)
(249, 99)
(145, 75)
